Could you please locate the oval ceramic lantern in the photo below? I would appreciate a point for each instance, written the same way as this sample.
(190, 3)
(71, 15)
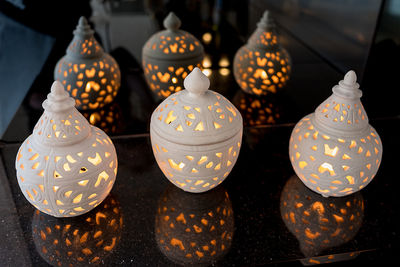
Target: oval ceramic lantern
(169, 56)
(80, 241)
(66, 167)
(320, 223)
(335, 151)
(196, 135)
(194, 229)
(262, 66)
(90, 75)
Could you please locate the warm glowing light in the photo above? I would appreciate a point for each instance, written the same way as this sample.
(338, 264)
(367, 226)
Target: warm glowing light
(224, 62)
(207, 38)
(224, 71)
(207, 62)
(207, 72)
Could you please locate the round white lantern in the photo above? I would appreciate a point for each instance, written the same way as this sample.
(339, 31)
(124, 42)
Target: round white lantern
(262, 66)
(196, 135)
(90, 75)
(335, 151)
(169, 56)
(67, 166)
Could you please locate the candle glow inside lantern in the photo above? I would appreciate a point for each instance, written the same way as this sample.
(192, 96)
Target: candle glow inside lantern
(317, 222)
(335, 151)
(79, 241)
(66, 167)
(194, 229)
(262, 66)
(169, 56)
(90, 75)
(196, 135)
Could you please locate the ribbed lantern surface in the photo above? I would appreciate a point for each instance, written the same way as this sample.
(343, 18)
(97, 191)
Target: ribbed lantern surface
(262, 65)
(66, 167)
(335, 151)
(169, 56)
(91, 76)
(196, 135)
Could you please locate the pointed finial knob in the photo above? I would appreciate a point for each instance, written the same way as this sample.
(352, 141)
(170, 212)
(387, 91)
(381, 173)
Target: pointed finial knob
(83, 27)
(265, 20)
(348, 87)
(350, 78)
(172, 22)
(58, 99)
(196, 82)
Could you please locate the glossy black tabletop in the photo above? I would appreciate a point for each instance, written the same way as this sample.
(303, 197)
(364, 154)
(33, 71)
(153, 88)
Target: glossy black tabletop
(258, 215)
(251, 214)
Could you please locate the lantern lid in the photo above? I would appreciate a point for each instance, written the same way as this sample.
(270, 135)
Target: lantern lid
(84, 45)
(265, 36)
(343, 112)
(196, 116)
(173, 43)
(61, 124)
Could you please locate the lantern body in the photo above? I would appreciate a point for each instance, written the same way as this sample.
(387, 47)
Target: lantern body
(262, 66)
(169, 56)
(196, 230)
(196, 138)
(91, 76)
(319, 223)
(66, 167)
(80, 241)
(335, 151)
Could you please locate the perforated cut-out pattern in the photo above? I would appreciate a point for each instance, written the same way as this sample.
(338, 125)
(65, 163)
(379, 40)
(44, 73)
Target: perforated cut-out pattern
(344, 115)
(93, 84)
(177, 115)
(261, 72)
(334, 165)
(169, 56)
(90, 76)
(67, 183)
(166, 79)
(196, 169)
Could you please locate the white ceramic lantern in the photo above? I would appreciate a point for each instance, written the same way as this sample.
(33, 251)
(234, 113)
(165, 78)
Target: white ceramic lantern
(196, 135)
(335, 151)
(66, 167)
(169, 56)
(90, 75)
(262, 66)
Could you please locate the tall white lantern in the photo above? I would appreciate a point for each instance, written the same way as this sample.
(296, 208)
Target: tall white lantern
(66, 167)
(335, 151)
(196, 135)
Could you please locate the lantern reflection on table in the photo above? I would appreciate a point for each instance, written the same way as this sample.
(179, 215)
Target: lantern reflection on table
(80, 241)
(109, 118)
(317, 222)
(169, 56)
(91, 76)
(195, 229)
(335, 151)
(66, 167)
(262, 66)
(257, 110)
